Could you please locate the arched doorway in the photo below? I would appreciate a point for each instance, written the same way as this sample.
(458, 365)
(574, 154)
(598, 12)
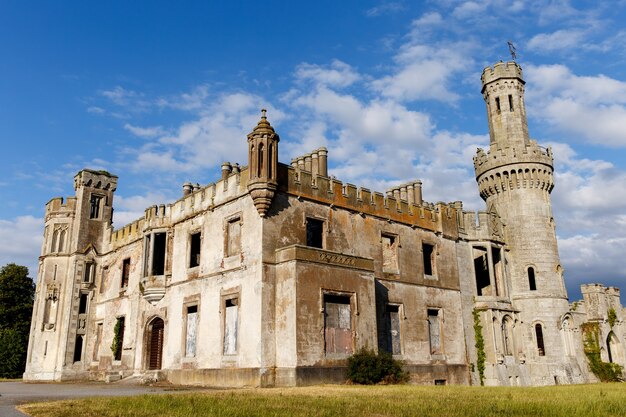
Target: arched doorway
(155, 343)
(614, 349)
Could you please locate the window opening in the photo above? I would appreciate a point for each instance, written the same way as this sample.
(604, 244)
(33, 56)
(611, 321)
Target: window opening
(78, 348)
(194, 250)
(231, 319)
(82, 304)
(158, 254)
(88, 273)
(440, 382)
(498, 104)
(125, 273)
(506, 336)
(314, 233)
(481, 271)
(390, 253)
(496, 256)
(434, 331)
(428, 252)
(94, 206)
(61, 241)
(510, 102)
(539, 335)
(190, 338)
(394, 345)
(531, 279)
(96, 345)
(337, 324)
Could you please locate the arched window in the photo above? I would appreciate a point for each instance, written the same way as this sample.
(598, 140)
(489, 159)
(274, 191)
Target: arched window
(261, 161)
(55, 239)
(507, 339)
(614, 349)
(532, 285)
(539, 335)
(567, 337)
(270, 159)
(61, 241)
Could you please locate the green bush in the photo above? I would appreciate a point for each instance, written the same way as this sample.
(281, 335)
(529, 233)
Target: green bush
(12, 353)
(366, 367)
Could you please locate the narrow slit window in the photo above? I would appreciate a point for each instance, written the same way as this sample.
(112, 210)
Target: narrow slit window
(82, 304)
(314, 233)
(119, 335)
(428, 252)
(532, 285)
(78, 348)
(510, 102)
(498, 104)
(194, 250)
(125, 273)
(89, 271)
(539, 335)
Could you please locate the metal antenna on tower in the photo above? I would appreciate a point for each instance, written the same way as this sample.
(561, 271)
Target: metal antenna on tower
(512, 50)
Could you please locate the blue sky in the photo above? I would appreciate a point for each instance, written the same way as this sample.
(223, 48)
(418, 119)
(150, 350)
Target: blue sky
(161, 93)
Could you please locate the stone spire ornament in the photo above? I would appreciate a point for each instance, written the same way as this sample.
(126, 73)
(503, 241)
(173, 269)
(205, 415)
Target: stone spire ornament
(262, 164)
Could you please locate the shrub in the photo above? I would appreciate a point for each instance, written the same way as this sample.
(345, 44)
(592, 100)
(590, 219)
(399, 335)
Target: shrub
(605, 371)
(367, 367)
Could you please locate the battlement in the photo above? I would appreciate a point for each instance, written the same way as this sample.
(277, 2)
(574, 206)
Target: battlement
(95, 179)
(439, 217)
(315, 162)
(501, 70)
(56, 205)
(480, 225)
(497, 156)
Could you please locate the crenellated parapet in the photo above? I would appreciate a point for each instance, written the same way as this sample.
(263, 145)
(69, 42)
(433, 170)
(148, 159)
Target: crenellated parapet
(481, 226)
(56, 207)
(410, 192)
(502, 71)
(315, 162)
(439, 217)
(95, 179)
(504, 169)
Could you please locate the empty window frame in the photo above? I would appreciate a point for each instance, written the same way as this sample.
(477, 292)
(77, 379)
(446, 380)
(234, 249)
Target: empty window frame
(314, 233)
(394, 339)
(96, 345)
(78, 348)
(434, 330)
(82, 303)
(118, 338)
(498, 104)
(191, 330)
(481, 270)
(532, 284)
(390, 253)
(231, 324)
(233, 236)
(89, 271)
(95, 202)
(125, 273)
(337, 324)
(155, 249)
(428, 255)
(195, 240)
(510, 102)
(541, 351)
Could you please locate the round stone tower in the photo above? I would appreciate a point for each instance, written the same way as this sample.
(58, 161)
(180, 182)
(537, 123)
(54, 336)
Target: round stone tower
(515, 178)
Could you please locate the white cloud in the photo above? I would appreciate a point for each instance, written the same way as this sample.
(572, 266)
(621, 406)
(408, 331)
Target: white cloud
(387, 7)
(592, 108)
(338, 74)
(128, 209)
(556, 41)
(145, 132)
(20, 242)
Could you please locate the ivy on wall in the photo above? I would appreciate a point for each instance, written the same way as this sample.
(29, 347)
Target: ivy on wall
(605, 371)
(116, 345)
(480, 346)
(612, 317)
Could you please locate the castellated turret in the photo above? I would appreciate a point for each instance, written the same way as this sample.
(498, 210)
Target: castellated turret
(515, 178)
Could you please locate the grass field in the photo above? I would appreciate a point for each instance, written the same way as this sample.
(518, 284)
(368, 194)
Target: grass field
(602, 400)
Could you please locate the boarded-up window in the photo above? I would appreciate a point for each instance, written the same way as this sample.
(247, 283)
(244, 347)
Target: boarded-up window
(428, 252)
(194, 249)
(390, 253)
(190, 338)
(337, 324)
(434, 331)
(393, 313)
(233, 237)
(231, 318)
(155, 343)
(507, 340)
(96, 345)
(314, 233)
(125, 273)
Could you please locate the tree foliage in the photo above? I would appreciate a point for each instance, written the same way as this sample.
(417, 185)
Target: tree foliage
(17, 291)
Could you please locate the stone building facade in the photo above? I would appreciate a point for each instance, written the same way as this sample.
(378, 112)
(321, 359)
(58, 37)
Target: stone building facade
(275, 274)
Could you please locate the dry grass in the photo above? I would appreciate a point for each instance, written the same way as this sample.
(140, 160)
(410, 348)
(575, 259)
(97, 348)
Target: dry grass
(357, 401)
